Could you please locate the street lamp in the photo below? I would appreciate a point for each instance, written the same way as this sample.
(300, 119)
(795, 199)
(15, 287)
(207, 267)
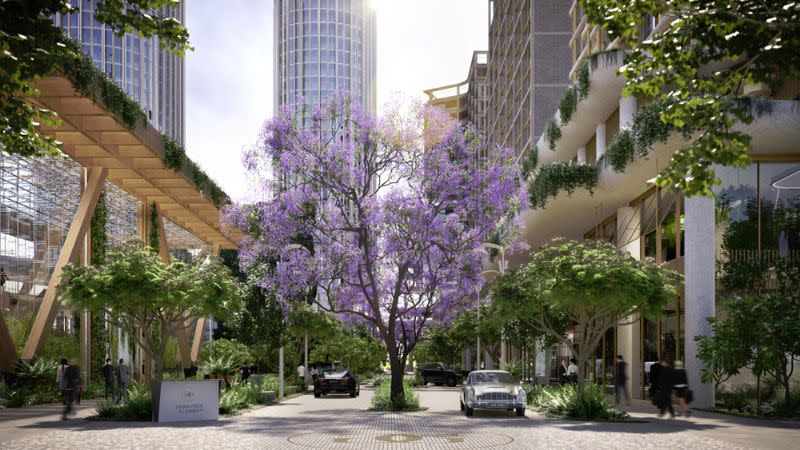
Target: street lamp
(305, 336)
(502, 265)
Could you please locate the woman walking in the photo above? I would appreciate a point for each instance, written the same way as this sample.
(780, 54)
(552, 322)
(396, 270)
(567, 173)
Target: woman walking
(681, 386)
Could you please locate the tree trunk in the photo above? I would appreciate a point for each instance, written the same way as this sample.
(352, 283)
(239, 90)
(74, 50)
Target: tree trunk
(397, 394)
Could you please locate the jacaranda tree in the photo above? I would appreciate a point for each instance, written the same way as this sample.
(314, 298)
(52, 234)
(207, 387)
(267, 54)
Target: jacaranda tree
(394, 207)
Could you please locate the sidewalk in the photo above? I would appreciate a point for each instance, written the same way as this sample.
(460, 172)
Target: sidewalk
(17, 421)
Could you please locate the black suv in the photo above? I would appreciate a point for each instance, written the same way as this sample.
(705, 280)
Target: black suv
(439, 373)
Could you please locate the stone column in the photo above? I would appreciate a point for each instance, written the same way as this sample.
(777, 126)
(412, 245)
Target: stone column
(582, 155)
(600, 140)
(629, 338)
(699, 304)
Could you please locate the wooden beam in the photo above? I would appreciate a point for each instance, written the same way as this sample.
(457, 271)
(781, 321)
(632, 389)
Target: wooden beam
(8, 352)
(71, 248)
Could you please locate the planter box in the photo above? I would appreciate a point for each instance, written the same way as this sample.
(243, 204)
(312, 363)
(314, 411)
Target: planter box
(178, 401)
(268, 396)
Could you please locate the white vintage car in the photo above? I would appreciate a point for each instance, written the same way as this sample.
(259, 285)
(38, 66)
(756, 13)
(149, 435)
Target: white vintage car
(492, 389)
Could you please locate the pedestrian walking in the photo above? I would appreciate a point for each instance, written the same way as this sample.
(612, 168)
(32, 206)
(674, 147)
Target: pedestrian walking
(123, 378)
(664, 386)
(61, 380)
(572, 371)
(682, 392)
(620, 381)
(562, 372)
(245, 373)
(108, 376)
(72, 377)
(655, 368)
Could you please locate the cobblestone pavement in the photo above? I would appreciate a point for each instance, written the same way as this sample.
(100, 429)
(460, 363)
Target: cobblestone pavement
(344, 423)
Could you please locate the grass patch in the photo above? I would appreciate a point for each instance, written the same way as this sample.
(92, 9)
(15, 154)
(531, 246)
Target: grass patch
(587, 402)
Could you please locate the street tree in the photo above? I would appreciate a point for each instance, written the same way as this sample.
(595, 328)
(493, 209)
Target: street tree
(137, 293)
(700, 63)
(586, 287)
(400, 204)
(31, 47)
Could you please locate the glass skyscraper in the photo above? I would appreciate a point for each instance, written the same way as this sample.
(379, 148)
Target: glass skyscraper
(150, 75)
(324, 46)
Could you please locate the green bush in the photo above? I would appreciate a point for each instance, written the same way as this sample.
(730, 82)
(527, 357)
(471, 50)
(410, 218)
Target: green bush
(568, 104)
(559, 176)
(740, 397)
(138, 406)
(29, 396)
(41, 369)
(552, 133)
(382, 401)
(238, 352)
(587, 402)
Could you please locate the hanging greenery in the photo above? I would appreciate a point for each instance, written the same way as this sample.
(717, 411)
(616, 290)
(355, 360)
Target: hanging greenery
(552, 178)
(620, 151)
(174, 155)
(583, 81)
(153, 237)
(552, 133)
(529, 162)
(88, 80)
(568, 104)
(97, 230)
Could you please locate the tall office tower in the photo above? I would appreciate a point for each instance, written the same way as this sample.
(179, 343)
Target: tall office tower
(150, 75)
(324, 46)
(528, 67)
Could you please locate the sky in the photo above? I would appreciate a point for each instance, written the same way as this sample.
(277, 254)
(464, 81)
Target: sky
(421, 44)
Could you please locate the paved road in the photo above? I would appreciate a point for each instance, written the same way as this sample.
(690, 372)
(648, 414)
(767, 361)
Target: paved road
(343, 423)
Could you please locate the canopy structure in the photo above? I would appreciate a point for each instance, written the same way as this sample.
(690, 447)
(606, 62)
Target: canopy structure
(92, 136)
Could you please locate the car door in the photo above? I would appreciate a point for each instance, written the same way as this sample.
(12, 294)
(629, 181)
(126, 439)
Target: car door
(439, 374)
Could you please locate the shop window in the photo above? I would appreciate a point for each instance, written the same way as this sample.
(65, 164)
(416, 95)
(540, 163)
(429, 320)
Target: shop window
(779, 191)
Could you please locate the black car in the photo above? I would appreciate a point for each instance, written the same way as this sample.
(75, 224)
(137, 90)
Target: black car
(439, 373)
(340, 381)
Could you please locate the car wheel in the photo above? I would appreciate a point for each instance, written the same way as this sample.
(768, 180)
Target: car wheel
(424, 381)
(437, 384)
(353, 394)
(317, 395)
(520, 411)
(451, 381)
(461, 404)
(468, 411)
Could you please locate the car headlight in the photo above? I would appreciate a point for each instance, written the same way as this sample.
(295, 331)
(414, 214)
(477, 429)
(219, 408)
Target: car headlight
(470, 395)
(521, 396)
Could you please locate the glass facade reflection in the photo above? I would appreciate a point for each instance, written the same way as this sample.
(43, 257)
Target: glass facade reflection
(323, 47)
(150, 75)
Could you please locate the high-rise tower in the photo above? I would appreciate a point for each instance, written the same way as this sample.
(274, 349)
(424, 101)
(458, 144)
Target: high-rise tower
(150, 75)
(324, 46)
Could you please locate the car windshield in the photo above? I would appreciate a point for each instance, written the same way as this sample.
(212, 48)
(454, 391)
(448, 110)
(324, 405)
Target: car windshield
(490, 377)
(334, 373)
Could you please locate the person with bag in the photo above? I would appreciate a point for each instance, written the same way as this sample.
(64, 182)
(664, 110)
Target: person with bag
(664, 386)
(73, 382)
(562, 372)
(682, 391)
(572, 371)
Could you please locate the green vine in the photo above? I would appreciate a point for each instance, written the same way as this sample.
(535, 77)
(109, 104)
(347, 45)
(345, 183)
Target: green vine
(174, 155)
(530, 162)
(87, 80)
(584, 82)
(153, 237)
(609, 57)
(620, 151)
(552, 178)
(97, 230)
(568, 103)
(552, 133)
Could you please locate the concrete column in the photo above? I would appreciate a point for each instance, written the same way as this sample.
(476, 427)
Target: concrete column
(629, 337)
(700, 290)
(628, 107)
(582, 155)
(600, 139)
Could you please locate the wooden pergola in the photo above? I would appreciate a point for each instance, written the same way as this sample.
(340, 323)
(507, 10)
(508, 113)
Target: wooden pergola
(132, 160)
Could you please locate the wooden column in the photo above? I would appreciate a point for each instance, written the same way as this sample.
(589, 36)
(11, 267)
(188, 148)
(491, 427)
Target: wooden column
(180, 330)
(71, 248)
(201, 321)
(8, 352)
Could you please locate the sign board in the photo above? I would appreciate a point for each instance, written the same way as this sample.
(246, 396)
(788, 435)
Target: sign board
(178, 401)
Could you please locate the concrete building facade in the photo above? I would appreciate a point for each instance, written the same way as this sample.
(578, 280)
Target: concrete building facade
(528, 67)
(465, 101)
